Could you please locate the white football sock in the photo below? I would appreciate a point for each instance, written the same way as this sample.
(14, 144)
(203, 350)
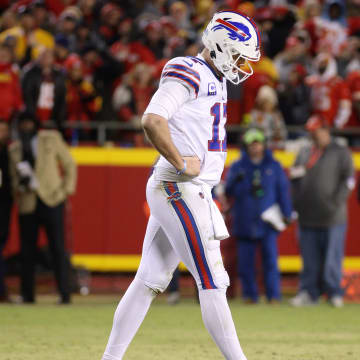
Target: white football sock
(128, 317)
(218, 321)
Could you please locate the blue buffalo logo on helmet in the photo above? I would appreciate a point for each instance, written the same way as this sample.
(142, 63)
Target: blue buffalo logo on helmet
(236, 30)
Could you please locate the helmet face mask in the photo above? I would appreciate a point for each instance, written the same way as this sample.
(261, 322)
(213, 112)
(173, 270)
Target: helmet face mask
(237, 69)
(233, 40)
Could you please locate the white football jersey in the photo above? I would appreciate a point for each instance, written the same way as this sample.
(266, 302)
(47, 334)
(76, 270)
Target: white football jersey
(198, 127)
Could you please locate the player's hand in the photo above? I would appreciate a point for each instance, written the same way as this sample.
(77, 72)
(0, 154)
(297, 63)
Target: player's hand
(192, 166)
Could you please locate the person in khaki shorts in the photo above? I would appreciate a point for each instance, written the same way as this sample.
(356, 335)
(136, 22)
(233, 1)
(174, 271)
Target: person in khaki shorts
(43, 175)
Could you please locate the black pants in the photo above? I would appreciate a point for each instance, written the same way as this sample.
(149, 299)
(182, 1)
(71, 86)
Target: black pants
(5, 212)
(52, 218)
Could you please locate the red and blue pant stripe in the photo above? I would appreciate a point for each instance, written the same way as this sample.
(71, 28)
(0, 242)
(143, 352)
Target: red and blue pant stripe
(192, 235)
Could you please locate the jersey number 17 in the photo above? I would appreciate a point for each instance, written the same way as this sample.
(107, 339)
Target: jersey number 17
(216, 144)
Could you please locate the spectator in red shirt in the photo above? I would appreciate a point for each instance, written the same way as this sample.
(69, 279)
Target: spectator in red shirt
(353, 82)
(327, 33)
(134, 93)
(330, 95)
(128, 51)
(131, 98)
(82, 103)
(10, 91)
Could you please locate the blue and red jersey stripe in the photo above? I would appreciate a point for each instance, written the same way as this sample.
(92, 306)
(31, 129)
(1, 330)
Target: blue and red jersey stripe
(192, 235)
(183, 68)
(184, 78)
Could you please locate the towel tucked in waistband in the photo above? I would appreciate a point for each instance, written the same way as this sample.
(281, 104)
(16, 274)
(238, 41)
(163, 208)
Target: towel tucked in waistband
(220, 229)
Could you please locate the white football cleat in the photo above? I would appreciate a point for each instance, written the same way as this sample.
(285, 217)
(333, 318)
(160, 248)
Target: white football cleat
(302, 299)
(336, 301)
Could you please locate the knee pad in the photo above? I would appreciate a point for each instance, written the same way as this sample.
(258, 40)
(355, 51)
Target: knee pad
(222, 280)
(156, 282)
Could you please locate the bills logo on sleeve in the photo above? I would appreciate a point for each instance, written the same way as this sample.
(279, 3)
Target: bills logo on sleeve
(211, 89)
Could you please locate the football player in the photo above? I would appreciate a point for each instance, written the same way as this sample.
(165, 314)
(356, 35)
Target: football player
(185, 123)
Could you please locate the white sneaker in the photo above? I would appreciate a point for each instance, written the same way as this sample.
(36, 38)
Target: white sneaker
(302, 299)
(337, 301)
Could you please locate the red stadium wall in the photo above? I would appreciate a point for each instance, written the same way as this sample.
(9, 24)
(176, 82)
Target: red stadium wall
(107, 218)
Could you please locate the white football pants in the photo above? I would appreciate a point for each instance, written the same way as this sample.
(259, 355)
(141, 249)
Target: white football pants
(179, 229)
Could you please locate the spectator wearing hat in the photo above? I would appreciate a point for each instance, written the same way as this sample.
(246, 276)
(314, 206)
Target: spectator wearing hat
(44, 89)
(257, 185)
(67, 25)
(322, 178)
(43, 175)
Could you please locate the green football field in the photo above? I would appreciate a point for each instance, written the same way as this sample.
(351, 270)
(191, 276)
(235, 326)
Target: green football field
(79, 332)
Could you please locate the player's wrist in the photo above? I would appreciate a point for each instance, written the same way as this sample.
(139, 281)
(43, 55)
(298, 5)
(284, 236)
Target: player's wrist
(183, 169)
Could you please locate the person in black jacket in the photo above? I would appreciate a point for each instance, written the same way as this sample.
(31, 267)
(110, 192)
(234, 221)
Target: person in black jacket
(44, 89)
(5, 202)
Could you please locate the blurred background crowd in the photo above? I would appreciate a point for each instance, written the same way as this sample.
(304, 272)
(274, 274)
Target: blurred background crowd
(69, 63)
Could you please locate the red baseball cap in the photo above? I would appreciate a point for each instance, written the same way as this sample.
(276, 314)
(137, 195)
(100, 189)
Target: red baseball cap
(316, 122)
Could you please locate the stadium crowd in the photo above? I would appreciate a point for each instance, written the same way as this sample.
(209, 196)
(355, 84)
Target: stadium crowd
(99, 60)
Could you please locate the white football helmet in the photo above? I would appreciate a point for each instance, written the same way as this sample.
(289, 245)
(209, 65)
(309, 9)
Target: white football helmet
(231, 37)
